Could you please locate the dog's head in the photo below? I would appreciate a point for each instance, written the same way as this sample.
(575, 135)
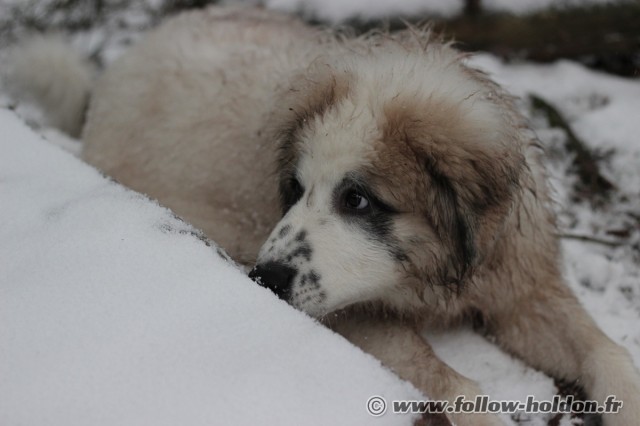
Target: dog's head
(397, 171)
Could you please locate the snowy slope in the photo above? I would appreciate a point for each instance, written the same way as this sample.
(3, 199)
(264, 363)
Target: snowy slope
(114, 312)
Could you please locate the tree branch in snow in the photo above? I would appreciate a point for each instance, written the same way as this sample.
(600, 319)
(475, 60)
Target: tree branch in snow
(591, 183)
(590, 239)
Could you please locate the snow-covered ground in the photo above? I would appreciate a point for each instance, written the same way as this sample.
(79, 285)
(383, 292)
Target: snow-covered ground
(114, 312)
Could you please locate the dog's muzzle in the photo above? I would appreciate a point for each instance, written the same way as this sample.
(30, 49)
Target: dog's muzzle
(275, 276)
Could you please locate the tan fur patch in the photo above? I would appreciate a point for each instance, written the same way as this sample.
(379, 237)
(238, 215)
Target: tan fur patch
(433, 164)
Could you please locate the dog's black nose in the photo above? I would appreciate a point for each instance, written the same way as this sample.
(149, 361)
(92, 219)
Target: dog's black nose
(275, 276)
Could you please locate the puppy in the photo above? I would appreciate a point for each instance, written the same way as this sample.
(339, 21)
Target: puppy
(377, 183)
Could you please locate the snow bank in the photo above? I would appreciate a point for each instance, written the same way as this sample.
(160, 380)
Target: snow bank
(114, 312)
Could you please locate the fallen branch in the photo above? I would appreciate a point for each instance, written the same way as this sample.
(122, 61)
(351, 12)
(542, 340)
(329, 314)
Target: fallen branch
(590, 182)
(590, 239)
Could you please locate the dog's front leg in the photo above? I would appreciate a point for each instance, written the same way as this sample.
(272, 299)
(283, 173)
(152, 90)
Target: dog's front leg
(399, 346)
(551, 331)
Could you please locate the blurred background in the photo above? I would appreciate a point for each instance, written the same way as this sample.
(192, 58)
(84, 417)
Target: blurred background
(602, 34)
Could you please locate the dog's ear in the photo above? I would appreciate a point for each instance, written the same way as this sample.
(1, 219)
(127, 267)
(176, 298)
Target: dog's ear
(473, 171)
(469, 207)
(454, 225)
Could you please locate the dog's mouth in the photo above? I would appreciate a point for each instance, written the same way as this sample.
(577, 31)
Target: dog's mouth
(300, 289)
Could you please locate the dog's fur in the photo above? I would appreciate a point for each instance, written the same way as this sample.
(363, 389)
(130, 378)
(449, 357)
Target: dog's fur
(412, 190)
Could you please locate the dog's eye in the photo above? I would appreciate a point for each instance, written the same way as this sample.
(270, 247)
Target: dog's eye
(291, 193)
(296, 190)
(354, 200)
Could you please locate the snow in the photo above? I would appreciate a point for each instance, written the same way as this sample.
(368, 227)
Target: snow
(336, 11)
(339, 10)
(113, 311)
(523, 7)
(501, 377)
